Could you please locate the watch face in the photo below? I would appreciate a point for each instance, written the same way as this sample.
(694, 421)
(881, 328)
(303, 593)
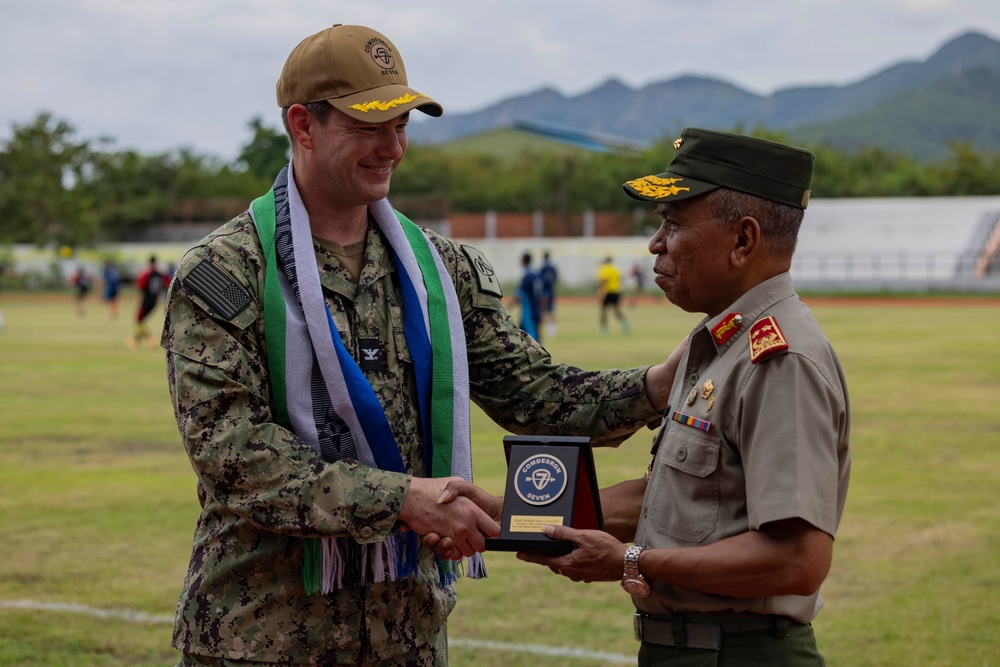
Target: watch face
(637, 587)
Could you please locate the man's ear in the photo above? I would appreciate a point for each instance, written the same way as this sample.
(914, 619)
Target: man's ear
(747, 241)
(301, 124)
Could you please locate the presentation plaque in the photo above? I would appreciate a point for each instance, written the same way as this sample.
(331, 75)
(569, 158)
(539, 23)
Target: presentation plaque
(550, 480)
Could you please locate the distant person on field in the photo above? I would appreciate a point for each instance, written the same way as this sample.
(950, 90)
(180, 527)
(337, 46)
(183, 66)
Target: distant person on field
(112, 287)
(150, 286)
(550, 278)
(529, 295)
(609, 287)
(82, 283)
(3, 323)
(638, 275)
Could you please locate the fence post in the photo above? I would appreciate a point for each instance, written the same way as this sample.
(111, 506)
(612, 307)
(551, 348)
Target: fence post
(538, 224)
(588, 223)
(491, 224)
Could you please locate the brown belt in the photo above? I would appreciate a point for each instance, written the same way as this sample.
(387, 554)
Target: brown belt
(705, 630)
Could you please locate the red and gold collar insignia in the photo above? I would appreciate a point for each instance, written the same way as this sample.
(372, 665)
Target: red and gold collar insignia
(727, 328)
(766, 339)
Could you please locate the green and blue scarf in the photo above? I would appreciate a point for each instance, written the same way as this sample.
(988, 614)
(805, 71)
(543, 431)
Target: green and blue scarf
(340, 415)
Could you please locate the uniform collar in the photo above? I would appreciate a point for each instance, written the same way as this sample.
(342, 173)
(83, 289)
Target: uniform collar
(724, 329)
(375, 266)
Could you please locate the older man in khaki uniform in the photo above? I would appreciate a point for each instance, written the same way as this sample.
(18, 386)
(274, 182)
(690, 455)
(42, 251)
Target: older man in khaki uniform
(733, 523)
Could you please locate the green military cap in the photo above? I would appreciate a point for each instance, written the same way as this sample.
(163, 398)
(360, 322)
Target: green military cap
(705, 160)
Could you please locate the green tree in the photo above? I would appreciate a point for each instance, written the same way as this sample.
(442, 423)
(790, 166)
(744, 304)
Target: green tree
(266, 153)
(41, 170)
(128, 191)
(967, 171)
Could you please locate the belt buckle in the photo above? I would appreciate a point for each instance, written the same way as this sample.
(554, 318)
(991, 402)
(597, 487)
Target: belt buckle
(637, 626)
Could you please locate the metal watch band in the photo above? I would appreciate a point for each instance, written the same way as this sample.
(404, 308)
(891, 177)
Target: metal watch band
(632, 560)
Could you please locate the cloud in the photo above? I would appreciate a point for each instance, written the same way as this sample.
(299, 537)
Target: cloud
(162, 74)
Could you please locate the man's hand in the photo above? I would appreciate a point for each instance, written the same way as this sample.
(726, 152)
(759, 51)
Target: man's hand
(444, 546)
(462, 521)
(660, 378)
(492, 505)
(598, 556)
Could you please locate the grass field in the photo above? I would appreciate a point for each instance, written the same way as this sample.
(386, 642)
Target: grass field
(97, 500)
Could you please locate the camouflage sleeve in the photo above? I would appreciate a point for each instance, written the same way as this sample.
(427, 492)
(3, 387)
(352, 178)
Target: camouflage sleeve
(513, 378)
(218, 379)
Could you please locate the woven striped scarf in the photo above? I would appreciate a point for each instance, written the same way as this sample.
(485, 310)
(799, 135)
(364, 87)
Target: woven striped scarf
(339, 415)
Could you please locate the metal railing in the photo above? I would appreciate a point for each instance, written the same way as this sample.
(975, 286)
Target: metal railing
(896, 271)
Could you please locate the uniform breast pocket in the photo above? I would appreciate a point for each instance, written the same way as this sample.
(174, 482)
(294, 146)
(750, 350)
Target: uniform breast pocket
(684, 498)
(400, 351)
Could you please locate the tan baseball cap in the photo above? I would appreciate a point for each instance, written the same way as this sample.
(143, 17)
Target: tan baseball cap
(354, 68)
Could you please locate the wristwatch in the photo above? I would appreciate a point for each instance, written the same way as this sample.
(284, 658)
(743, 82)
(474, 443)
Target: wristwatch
(633, 582)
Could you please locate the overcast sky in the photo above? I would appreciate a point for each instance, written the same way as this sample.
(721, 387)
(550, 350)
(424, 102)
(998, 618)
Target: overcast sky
(157, 75)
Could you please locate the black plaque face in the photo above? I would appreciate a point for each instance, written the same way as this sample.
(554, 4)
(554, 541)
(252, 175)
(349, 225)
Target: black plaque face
(550, 480)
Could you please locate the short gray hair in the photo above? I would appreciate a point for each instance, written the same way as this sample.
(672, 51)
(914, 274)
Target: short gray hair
(779, 223)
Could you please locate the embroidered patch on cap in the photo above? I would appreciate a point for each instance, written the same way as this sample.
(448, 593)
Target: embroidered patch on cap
(218, 289)
(486, 277)
(766, 339)
(656, 187)
(378, 105)
(381, 54)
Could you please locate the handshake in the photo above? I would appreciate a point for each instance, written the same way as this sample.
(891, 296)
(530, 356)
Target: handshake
(452, 516)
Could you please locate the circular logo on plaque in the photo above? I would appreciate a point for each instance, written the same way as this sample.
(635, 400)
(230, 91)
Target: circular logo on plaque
(540, 480)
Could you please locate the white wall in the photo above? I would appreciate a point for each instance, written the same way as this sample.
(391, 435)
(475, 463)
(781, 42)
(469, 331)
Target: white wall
(873, 241)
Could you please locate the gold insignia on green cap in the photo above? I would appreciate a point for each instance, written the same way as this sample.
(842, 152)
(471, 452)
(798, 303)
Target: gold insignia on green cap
(677, 143)
(379, 105)
(656, 187)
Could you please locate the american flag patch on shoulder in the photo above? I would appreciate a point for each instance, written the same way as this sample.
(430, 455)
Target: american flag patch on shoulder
(218, 289)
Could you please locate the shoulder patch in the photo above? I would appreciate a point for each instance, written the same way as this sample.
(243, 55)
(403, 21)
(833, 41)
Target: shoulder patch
(485, 275)
(766, 339)
(217, 288)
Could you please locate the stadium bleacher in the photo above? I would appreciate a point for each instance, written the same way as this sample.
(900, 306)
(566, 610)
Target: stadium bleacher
(891, 244)
(898, 243)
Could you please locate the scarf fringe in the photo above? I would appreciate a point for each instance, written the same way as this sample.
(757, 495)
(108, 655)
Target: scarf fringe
(327, 564)
(451, 571)
(477, 567)
(332, 564)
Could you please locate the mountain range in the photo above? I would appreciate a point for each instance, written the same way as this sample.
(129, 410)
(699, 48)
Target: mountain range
(916, 107)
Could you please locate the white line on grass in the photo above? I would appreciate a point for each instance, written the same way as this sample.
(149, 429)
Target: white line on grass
(549, 651)
(123, 614)
(140, 617)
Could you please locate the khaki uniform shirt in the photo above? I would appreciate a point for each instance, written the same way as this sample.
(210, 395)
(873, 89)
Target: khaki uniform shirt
(262, 489)
(751, 443)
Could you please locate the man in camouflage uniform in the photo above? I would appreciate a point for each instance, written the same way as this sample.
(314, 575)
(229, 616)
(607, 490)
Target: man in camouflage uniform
(261, 488)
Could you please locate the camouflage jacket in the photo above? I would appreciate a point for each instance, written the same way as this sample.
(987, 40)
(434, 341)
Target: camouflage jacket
(262, 489)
